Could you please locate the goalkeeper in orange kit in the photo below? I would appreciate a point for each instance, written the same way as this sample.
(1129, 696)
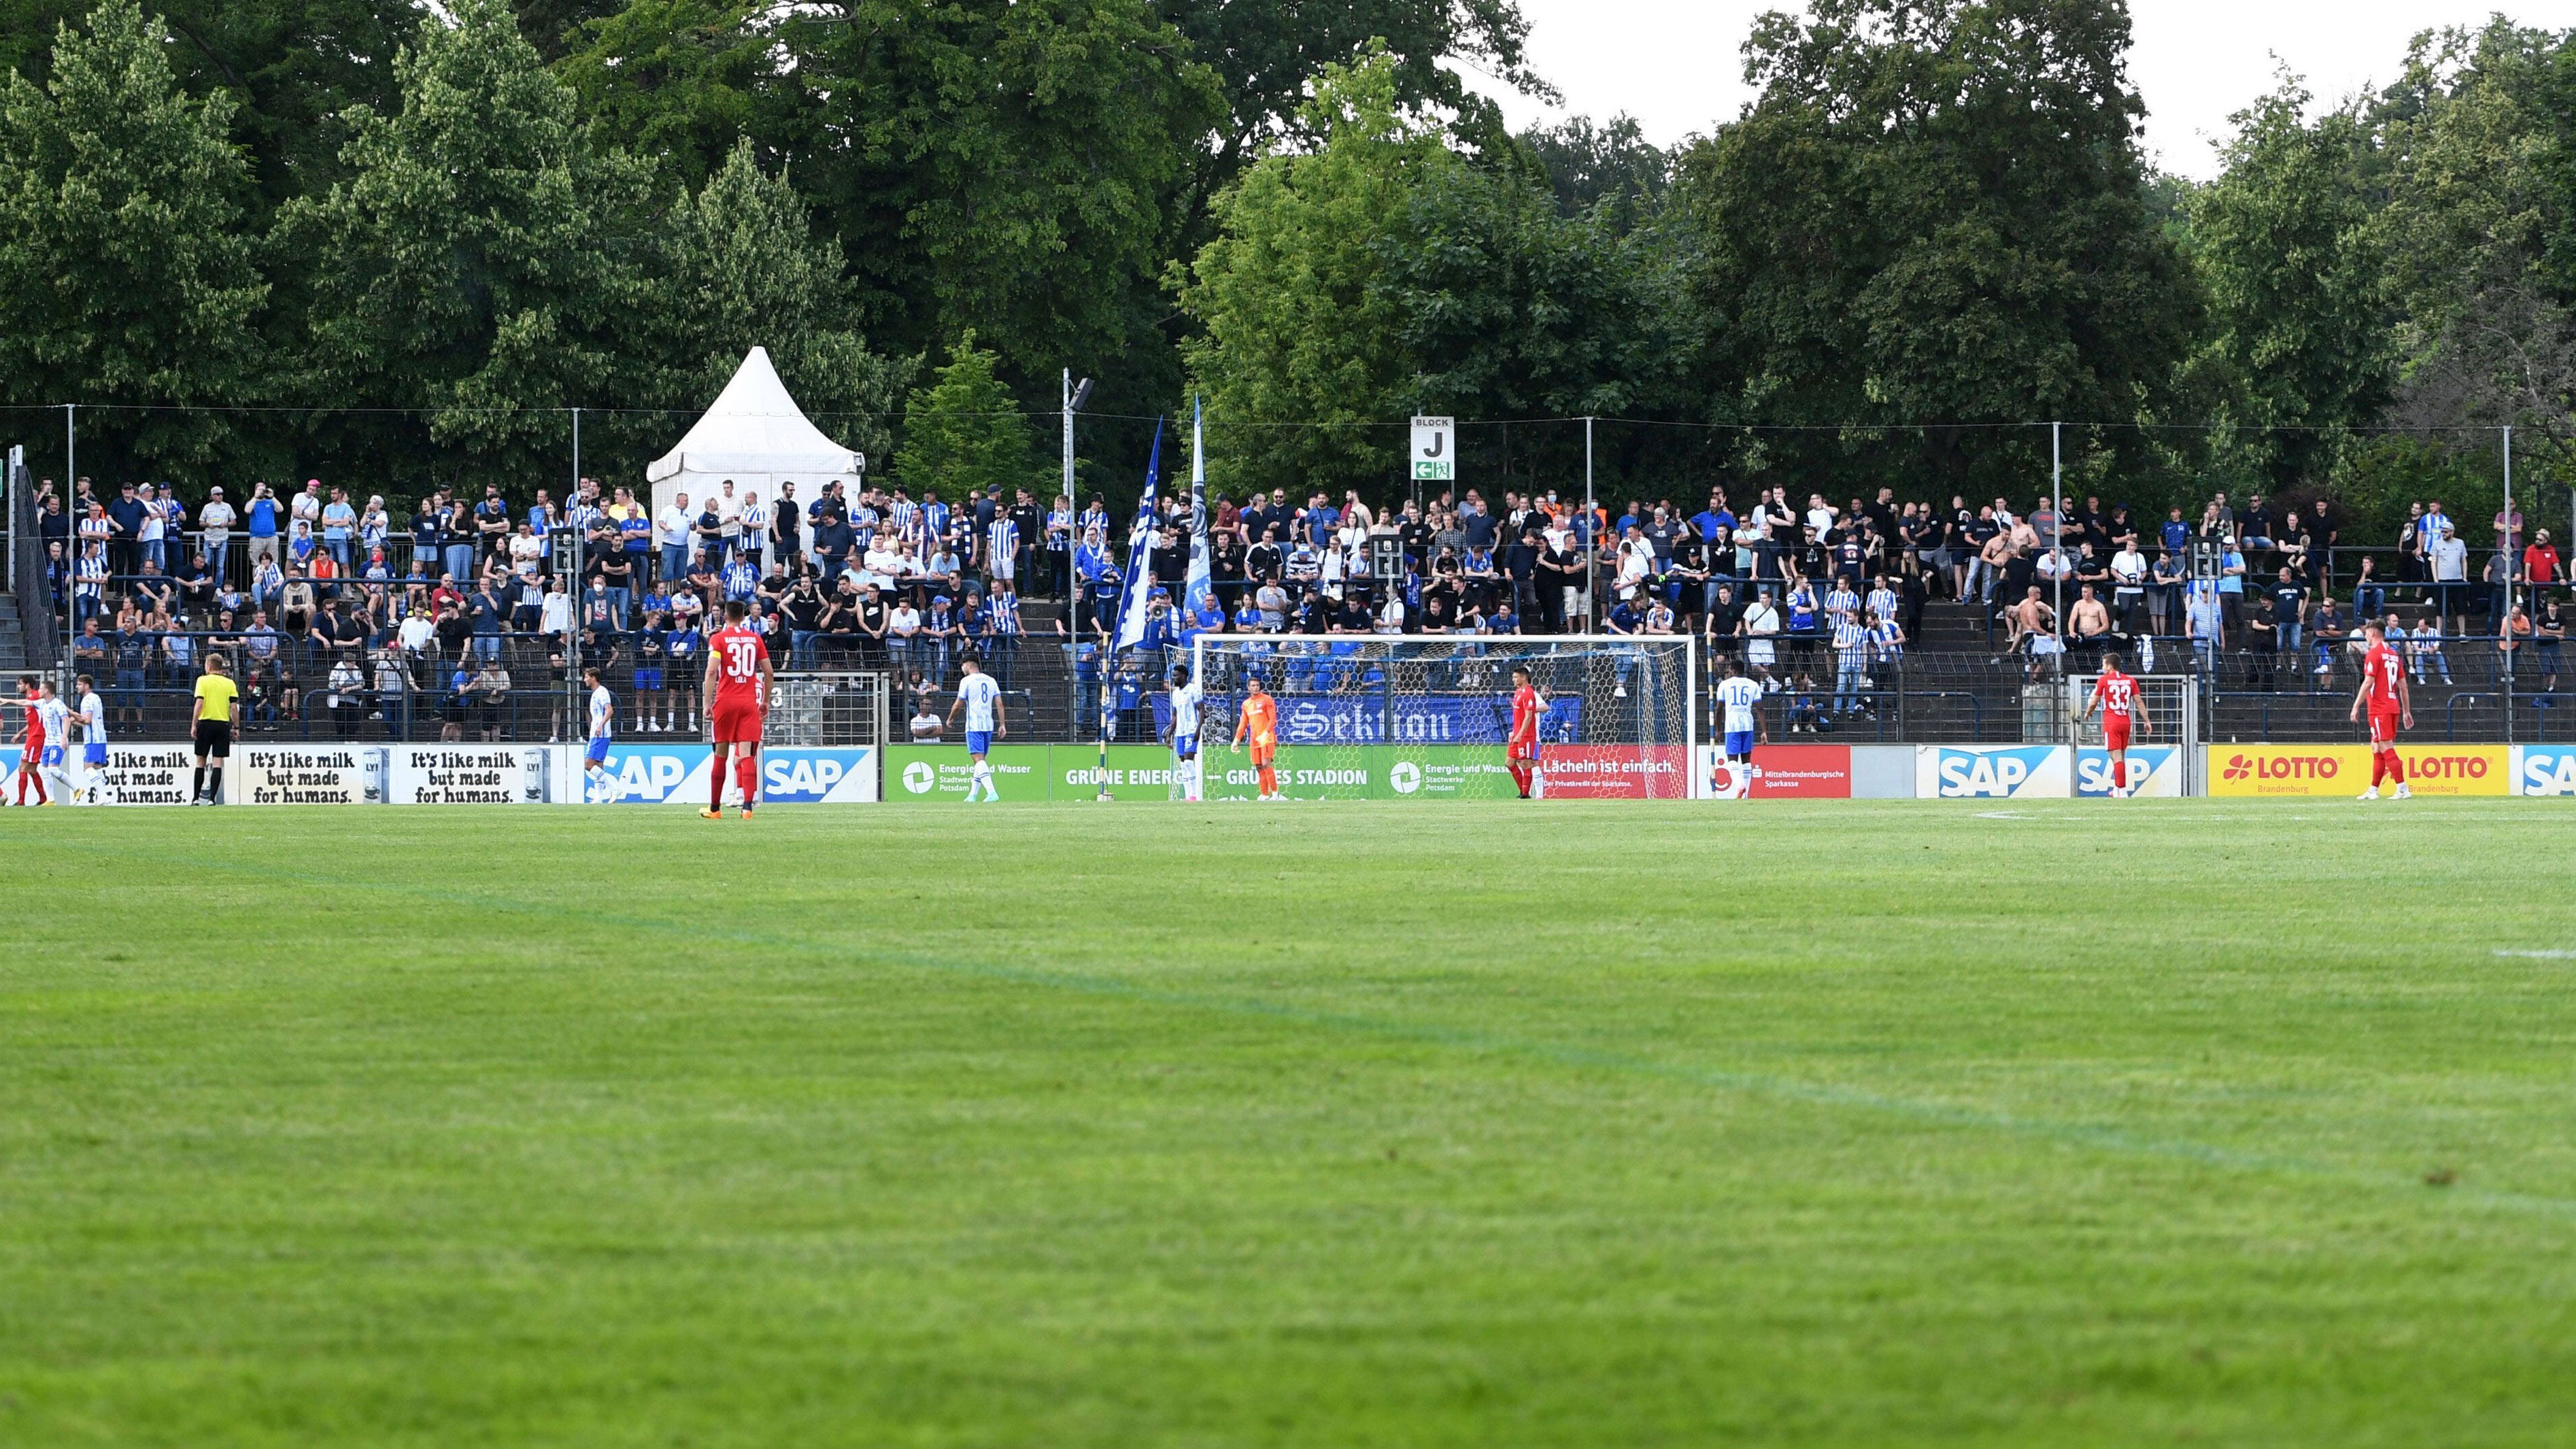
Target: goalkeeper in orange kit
(1259, 721)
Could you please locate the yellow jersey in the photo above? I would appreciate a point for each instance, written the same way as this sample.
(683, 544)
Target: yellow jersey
(215, 696)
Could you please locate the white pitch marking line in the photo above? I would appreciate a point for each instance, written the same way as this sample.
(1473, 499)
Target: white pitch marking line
(2003, 815)
(2539, 955)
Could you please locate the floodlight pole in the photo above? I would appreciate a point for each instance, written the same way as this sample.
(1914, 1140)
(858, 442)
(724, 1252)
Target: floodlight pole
(1073, 626)
(573, 704)
(2504, 625)
(1585, 538)
(71, 560)
(2057, 549)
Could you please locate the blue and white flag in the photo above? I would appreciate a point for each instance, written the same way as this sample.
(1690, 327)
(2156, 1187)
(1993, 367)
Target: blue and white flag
(1140, 551)
(1197, 585)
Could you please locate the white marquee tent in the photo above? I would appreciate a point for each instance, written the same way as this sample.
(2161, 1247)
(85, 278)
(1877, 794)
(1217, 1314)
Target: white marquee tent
(756, 435)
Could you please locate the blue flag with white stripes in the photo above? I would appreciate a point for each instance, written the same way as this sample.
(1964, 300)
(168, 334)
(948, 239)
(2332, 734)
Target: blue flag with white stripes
(1198, 585)
(1140, 551)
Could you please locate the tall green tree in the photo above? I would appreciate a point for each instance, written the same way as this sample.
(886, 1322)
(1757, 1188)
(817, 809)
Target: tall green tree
(741, 268)
(964, 433)
(2477, 167)
(1610, 166)
(684, 82)
(290, 66)
(479, 262)
(125, 277)
(1010, 167)
(2301, 341)
(1266, 58)
(1299, 338)
(1934, 213)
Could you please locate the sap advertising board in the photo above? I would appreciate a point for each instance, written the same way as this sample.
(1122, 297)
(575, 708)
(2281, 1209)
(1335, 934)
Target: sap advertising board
(2545, 770)
(2033, 772)
(650, 774)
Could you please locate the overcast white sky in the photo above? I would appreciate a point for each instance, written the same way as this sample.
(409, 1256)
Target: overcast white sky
(1677, 65)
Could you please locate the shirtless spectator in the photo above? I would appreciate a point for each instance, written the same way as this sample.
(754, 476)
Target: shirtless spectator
(2090, 622)
(2033, 626)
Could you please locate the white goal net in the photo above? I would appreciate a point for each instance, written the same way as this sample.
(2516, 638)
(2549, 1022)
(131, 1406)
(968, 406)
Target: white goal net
(1408, 717)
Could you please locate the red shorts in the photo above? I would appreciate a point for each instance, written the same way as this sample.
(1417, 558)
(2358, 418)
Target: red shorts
(1521, 750)
(736, 722)
(2115, 733)
(2383, 728)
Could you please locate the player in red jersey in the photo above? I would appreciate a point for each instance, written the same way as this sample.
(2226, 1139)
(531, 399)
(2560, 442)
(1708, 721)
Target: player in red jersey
(2383, 688)
(31, 742)
(738, 685)
(2116, 695)
(1520, 752)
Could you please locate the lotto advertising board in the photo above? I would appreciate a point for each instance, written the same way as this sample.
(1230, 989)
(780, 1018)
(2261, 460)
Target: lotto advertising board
(2545, 770)
(2323, 771)
(1779, 772)
(653, 774)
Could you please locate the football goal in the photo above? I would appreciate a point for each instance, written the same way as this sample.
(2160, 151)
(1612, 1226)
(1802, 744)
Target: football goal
(1415, 717)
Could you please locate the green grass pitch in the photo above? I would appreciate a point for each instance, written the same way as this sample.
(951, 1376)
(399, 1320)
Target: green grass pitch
(1573, 1124)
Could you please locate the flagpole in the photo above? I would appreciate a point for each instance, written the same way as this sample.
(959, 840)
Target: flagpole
(1131, 604)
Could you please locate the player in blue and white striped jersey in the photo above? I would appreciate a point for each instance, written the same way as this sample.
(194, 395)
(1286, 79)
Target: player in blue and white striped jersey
(1739, 698)
(603, 724)
(980, 695)
(87, 782)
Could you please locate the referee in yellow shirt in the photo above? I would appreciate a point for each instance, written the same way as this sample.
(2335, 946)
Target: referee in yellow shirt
(217, 710)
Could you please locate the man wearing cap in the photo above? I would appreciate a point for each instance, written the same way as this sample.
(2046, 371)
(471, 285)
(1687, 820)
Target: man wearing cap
(215, 522)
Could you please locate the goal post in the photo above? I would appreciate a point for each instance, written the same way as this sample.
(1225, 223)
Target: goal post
(2163, 760)
(1416, 717)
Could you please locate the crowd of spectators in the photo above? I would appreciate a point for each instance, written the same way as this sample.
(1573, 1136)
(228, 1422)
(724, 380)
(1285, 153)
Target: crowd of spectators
(341, 604)
(341, 608)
